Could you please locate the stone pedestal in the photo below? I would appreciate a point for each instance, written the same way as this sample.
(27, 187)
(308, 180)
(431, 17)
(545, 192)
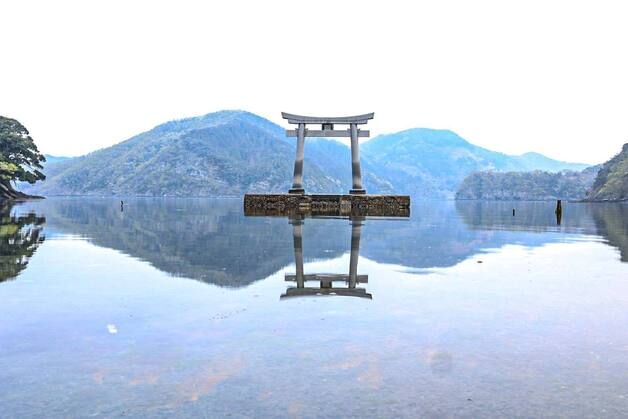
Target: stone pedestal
(327, 205)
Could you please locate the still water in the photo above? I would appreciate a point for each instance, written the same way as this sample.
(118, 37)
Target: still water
(186, 308)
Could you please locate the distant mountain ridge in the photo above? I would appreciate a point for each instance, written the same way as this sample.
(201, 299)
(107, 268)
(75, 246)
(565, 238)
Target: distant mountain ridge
(233, 152)
(55, 159)
(438, 160)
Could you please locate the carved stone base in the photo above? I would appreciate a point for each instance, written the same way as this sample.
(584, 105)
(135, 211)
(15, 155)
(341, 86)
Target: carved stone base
(329, 205)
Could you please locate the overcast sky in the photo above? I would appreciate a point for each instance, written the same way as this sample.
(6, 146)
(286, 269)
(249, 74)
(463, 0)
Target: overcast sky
(546, 76)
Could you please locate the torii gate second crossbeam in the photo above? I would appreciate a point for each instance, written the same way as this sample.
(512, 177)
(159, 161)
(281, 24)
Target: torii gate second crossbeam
(327, 130)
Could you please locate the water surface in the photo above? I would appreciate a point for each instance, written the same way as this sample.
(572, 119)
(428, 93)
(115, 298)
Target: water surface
(174, 308)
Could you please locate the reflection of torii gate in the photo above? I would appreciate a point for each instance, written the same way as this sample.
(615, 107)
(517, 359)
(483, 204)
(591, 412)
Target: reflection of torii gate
(326, 280)
(327, 130)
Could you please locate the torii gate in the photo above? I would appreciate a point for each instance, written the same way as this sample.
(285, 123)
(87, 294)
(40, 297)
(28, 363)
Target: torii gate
(327, 130)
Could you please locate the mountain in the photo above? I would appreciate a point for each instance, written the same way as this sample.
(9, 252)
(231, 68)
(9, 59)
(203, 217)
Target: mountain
(50, 159)
(529, 186)
(223, 153)
(536, 161)
(233, 152)
(213, 154)
(611, 183)
(433, 162)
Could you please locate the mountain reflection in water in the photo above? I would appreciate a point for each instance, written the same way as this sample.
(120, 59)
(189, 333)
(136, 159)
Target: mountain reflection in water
(607, 220)
(211, 240)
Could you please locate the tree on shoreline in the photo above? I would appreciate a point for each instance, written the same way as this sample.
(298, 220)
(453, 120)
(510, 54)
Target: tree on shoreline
(20, 160)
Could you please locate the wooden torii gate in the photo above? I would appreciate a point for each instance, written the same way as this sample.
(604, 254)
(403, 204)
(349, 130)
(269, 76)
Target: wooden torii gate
(327, 130)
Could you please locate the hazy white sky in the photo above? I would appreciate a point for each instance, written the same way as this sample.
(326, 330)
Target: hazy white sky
(548, 76)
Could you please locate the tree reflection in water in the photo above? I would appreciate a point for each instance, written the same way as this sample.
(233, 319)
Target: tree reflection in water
(20, 236)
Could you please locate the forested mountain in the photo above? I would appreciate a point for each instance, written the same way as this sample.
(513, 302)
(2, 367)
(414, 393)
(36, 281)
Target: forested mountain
(434, 162)
(223, 153)
(233, 152)
(611, 183)
(530, 186)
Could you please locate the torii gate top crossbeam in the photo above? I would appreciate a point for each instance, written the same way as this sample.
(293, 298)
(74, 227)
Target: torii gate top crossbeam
(300, 119)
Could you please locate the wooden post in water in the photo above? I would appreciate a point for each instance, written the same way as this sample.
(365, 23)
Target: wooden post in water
(559, 211)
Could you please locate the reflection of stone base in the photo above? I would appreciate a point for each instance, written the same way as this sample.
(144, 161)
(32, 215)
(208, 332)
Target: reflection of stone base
(298, 191)
(357, 191)
(315, 292)
(331, 205)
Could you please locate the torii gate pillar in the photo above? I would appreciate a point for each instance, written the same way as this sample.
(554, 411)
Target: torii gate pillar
(356, 172)
(297, 181)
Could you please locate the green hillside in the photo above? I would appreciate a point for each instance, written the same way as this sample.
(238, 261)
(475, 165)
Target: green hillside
(224, 153)
(530, 186)
(611, 183)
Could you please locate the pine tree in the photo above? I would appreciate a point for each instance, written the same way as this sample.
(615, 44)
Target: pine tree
(20, 160)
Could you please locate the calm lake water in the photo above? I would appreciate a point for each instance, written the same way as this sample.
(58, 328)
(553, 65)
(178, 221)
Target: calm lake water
(181, 308)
